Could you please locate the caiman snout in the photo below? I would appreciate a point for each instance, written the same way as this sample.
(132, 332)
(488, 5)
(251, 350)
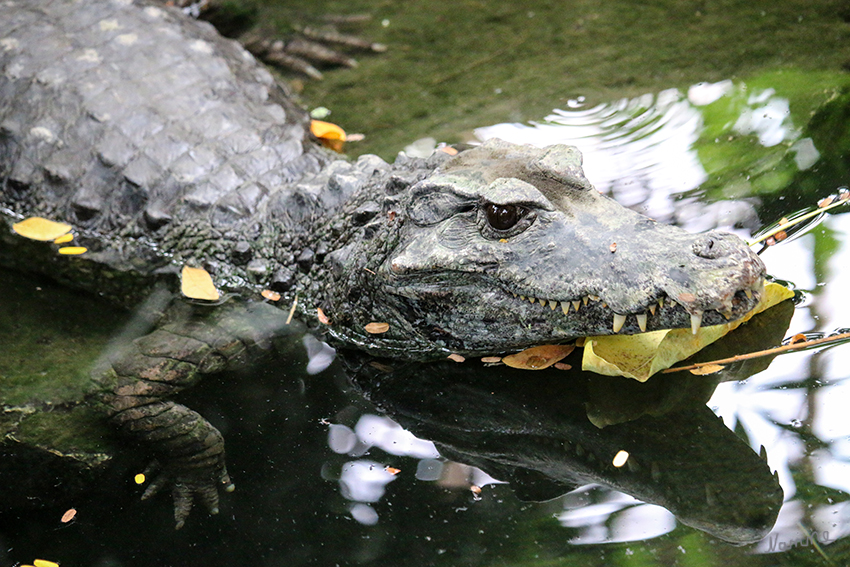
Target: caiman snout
(715, 245)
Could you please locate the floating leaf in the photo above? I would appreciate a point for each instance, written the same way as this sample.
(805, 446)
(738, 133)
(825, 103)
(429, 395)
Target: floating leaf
(539, 357)
(72, 250)
(491, 359)
(139, 478)
(392, 470)
(37, 228)
(707, 369)
(197, 284)
(44, 563)
(377, 328)
(68, 515)
(64, 238)
(270, 295)
(456, 357)
(562, 366)
(642, 355)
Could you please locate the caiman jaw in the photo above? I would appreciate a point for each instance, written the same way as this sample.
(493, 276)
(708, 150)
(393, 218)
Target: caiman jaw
(659, 314)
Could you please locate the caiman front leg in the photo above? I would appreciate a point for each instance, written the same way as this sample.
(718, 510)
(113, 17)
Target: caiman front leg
(188, 450)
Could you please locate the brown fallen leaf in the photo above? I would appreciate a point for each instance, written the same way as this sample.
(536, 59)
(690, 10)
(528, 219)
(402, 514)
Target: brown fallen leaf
(613, 247)
(270, 295)
(707, 369)
(323, 319)
(456, 357)
(68, 515)
(562, 366)
(491, 359)
(377, 328)
(539, 357)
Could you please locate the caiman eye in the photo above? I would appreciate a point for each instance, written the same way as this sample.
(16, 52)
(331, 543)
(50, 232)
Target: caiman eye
(502, 217)
(503, 221)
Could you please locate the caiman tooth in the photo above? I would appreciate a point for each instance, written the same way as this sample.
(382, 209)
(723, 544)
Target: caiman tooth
(542, 302)
(576, 305)
(661, 303)
(565, 307)
(585, 299)
(749, 293)
(619, 321)
(652, 309)
(512, 293)
(696, 321)
(522, 297)
(553, 304)
(593, 297)
(641, 319)
(763, 453)
(531, 299)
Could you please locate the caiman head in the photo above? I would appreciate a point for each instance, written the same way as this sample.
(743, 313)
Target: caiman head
(504, 247)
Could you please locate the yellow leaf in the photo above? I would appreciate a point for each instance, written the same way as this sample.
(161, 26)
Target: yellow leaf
(642, 355)
(72, 250)
(68, 237)
(44, 563)
(196, 283)
(139, 478)
(331, 135)
(326, 130)
(37, 228)
(539, 357)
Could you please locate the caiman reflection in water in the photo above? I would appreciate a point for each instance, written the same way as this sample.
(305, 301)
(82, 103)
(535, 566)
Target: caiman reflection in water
(550, 432)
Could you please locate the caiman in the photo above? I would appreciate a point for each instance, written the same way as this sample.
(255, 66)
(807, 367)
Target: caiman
(165, 145)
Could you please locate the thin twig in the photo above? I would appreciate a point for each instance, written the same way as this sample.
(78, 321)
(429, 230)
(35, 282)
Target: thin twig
(798, 220)
(292, 310)
(758, 354)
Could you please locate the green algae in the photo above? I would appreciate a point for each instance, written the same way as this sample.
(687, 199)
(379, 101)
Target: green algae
(455, 66)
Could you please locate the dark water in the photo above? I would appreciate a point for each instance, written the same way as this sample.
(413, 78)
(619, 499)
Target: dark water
(309, 453)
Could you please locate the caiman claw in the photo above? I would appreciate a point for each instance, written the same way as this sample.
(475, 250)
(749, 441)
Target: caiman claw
(186, 485)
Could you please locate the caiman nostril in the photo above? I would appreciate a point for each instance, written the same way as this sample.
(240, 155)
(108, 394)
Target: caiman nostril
(707, 247)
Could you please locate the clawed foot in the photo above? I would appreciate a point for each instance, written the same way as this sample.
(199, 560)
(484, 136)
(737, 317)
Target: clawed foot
(186, 485)
(309, 47)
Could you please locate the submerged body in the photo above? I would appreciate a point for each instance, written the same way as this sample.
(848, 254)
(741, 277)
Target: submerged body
(165, 145)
